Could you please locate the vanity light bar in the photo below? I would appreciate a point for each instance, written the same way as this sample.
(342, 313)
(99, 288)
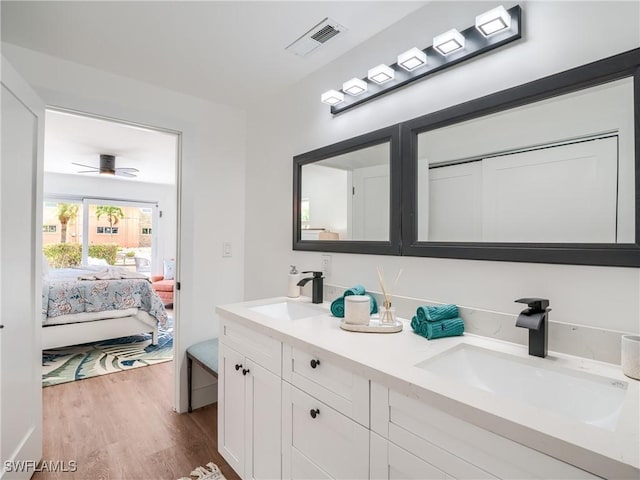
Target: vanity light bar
(492, 29)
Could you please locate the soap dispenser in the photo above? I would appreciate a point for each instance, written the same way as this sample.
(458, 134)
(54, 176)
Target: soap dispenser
(294, 278)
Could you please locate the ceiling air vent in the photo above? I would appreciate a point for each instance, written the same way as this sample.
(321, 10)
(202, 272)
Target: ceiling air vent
(315, 37)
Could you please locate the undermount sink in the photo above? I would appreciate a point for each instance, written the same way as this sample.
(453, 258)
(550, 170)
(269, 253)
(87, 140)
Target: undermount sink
(589, 398)
(288, 310)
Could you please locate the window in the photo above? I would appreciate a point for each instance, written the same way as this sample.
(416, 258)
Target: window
(49, 228)
(146, 230)
(107, 230)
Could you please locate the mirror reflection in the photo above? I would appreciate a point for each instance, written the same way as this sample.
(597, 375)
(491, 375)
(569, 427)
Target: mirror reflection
(555, 171)
(346, 197)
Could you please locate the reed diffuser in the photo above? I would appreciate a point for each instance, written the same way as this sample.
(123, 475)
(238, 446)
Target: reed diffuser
(387, 313)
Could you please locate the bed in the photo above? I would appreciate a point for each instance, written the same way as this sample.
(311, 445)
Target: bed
(93, 304)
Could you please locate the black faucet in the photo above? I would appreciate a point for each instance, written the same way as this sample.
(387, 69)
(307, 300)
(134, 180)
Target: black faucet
(535, 318)
(317, 287)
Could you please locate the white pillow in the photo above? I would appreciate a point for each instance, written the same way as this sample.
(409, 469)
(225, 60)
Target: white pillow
(169, 269)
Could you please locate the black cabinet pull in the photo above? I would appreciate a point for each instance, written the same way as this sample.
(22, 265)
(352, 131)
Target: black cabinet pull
(314, 412)
(238, 366)
(314, 363)
(245, 371)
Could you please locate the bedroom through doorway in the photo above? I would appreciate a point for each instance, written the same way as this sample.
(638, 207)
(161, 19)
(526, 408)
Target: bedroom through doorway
(109, 237)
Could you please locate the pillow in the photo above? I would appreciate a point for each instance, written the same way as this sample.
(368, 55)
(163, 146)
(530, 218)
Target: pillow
(169, 269)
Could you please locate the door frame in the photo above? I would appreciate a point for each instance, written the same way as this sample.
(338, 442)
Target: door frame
(178, 199)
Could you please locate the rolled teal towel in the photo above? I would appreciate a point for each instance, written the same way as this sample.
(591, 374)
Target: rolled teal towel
(433, 314)
(415, 323)
(450, 327)
(337, 307)
(419, 327)
(374, 304)
(355, 290)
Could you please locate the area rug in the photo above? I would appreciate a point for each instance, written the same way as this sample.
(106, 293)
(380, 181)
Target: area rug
(210, 472)
(68, 364)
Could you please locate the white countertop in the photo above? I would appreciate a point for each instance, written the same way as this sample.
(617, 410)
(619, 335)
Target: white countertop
(390, 359)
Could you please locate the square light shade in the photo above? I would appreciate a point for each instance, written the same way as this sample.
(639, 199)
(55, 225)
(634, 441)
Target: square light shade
(354, 87)
(381, 74)
(412, 59)
(494, 21)
(449, 42)
(332, 97)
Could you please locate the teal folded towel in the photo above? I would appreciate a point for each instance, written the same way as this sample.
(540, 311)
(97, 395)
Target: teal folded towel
(337, 306)
(433, 314)
(355, 290)
(449, 327)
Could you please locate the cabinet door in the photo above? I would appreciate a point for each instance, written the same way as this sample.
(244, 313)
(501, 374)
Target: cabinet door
(262, 423)
(325, 441)
(404, 465)
(231, 408)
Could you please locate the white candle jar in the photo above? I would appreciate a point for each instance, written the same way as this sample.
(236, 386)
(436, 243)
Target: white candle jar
(357, 309)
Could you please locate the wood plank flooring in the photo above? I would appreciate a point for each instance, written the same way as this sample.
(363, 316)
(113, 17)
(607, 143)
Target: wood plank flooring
(122, 426)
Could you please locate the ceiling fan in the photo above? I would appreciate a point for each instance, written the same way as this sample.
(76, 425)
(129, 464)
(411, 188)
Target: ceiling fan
(108, 167)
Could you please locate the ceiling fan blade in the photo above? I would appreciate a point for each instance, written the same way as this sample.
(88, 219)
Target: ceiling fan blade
(88, 171)
(82, 165)
(127, 169)
(120, 173)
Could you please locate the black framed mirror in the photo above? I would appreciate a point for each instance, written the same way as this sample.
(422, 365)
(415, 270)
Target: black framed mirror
(347, 197)
(544, 172)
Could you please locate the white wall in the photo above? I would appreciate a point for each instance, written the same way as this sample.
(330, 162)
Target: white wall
(164, 195)
(557, 36)
(326, 190)
(213, 172)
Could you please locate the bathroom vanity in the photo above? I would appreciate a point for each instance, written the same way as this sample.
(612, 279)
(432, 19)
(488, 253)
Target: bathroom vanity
(301, 398)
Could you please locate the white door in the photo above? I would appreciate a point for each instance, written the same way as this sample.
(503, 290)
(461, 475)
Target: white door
(262, 423)
(20, 278)
(567, 193)
(231, 402)
(371, 203)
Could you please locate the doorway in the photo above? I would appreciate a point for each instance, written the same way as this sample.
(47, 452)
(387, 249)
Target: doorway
(121, 214)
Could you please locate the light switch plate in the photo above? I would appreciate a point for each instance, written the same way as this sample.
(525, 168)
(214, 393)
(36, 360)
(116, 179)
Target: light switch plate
(226, 249)
(326, 265)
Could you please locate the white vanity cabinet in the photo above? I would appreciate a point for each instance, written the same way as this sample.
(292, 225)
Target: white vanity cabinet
(249, 402)
(412, 439)
(325, 418)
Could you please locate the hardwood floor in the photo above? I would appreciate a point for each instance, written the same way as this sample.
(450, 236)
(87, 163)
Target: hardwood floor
(122, 426)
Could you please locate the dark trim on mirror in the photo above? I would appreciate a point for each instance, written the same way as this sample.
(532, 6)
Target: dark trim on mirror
(391, 247)
(624, 255)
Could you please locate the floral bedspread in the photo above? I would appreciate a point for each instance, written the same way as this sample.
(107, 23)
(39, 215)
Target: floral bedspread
(63, 297)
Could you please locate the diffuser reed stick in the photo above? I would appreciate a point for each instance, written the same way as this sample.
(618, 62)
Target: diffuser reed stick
(387, 313)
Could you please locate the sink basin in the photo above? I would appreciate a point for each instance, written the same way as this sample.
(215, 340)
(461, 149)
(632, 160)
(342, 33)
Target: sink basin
(588, 398)
(288, 310)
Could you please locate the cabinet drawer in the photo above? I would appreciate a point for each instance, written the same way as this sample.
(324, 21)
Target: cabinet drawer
(329, 445)
(336, 386)
(264, 350)
(463, 450)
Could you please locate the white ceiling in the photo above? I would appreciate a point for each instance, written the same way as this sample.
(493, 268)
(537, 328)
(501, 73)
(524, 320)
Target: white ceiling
(229, 52)
(72, 138)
